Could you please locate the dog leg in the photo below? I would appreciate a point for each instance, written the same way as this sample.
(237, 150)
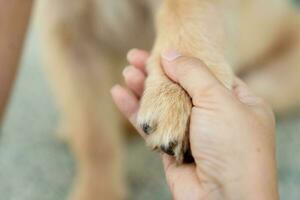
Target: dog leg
(278, 82)
(194, 28)
(82, 77)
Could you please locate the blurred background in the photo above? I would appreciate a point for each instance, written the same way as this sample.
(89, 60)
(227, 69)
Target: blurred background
(35, 165)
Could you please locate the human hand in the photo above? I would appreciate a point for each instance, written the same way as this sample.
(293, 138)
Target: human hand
(231, 133)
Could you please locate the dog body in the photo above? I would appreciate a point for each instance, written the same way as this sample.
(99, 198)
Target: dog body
(84, 44)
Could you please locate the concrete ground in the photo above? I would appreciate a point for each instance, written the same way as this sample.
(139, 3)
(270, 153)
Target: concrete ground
(34, 165)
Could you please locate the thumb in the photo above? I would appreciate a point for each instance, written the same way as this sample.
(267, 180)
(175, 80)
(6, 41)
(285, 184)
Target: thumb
(192, 74)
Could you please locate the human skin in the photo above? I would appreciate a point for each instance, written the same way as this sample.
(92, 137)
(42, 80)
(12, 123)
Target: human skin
(232, 133)
(14, 17)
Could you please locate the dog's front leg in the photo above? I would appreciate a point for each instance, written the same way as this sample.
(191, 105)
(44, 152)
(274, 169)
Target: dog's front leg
(194, 28)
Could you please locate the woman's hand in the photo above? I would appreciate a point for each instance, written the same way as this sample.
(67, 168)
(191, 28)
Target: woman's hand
(231, 132)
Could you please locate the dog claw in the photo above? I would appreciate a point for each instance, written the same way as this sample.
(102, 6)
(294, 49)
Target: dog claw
(169, 149)
(147, 128)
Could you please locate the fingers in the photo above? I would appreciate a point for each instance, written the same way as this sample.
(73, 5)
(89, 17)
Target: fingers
(125, 101)
(134, 79)
(138, 58)
(192, 74)
(135, 75)
(128, 104)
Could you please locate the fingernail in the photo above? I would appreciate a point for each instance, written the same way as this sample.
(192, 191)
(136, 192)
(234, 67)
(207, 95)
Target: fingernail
(115, 88)
(171, 55)
(131, 53)
(126, 70)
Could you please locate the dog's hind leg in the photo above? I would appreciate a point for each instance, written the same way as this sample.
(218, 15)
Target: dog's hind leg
(92, 128)
(278, 82)
(81, 76)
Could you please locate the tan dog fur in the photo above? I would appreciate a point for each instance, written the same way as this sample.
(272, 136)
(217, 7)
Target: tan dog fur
(84, 45)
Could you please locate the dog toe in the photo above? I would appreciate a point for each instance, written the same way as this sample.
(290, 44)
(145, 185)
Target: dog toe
(169, 149)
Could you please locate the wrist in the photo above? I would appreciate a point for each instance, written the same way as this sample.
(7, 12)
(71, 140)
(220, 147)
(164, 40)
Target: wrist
(256, 180)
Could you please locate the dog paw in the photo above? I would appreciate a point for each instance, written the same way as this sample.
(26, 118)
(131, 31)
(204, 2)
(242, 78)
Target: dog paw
(164, 118)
